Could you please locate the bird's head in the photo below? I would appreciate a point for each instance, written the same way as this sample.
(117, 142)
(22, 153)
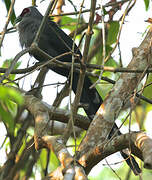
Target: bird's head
(28, 12)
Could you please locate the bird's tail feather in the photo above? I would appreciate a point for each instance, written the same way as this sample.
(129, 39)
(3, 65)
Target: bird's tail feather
(89, 97)
(130, 160)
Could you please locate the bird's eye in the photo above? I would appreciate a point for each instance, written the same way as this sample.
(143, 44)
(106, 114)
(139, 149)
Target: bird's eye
(25, 11)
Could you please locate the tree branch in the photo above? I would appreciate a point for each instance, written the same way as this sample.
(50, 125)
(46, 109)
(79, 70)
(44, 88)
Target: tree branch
(105, 117)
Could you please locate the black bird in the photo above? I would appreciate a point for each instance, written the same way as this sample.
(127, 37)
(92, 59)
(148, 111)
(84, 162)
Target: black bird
(55, 42)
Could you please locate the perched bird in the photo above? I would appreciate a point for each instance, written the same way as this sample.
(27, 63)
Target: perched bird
(55, 42)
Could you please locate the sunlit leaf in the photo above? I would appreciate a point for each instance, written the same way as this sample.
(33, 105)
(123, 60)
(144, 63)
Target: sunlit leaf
(7, 118)
(33, 2)
(43, 158)
(147, 90)
(8, 98)
(54, 161)
(68, 23)
(6, 64)
(7, 93)
(15, 96)
(147, 2)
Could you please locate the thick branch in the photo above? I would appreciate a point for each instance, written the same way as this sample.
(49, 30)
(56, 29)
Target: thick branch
(117, 144)
(113, 103)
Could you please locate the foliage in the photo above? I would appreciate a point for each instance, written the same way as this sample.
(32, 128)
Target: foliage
(147, 3)
(9, 96)
(9, 99)
(15, 117)
(7, 4)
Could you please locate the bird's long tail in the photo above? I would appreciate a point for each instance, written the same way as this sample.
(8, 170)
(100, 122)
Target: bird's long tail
(89, 97)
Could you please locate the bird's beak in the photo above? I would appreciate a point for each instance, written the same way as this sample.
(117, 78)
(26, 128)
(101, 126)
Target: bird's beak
(17, 20)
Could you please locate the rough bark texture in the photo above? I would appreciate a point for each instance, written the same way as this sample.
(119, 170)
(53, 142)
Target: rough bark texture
(120, 93)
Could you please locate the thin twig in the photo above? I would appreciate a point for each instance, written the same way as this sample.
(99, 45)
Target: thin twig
(119, 33)
(88, 10)
(45, 18)
(112, 169)
(8, 71)
(104, 46)
(71, 79)
(9, 30)
(83, 69)
(51, 59)
(120, 57)
(7, 21)
(55, 63)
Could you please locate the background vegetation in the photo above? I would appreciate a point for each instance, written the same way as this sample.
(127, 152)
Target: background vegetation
(21, 160)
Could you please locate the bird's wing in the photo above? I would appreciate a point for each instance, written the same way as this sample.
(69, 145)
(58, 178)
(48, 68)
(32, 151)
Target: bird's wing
(59, 40)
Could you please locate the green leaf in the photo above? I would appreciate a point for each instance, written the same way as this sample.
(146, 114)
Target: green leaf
(6, 64)
(43, 158)
(13, 16)
(97, 59)
(7, 93)
(68, 23)
(147, 91)
(15, 96)
(147, 2)
(7, 107)
(54, 161)
(111, 62)
(7, 118)
(33, 2)
(112, 32)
